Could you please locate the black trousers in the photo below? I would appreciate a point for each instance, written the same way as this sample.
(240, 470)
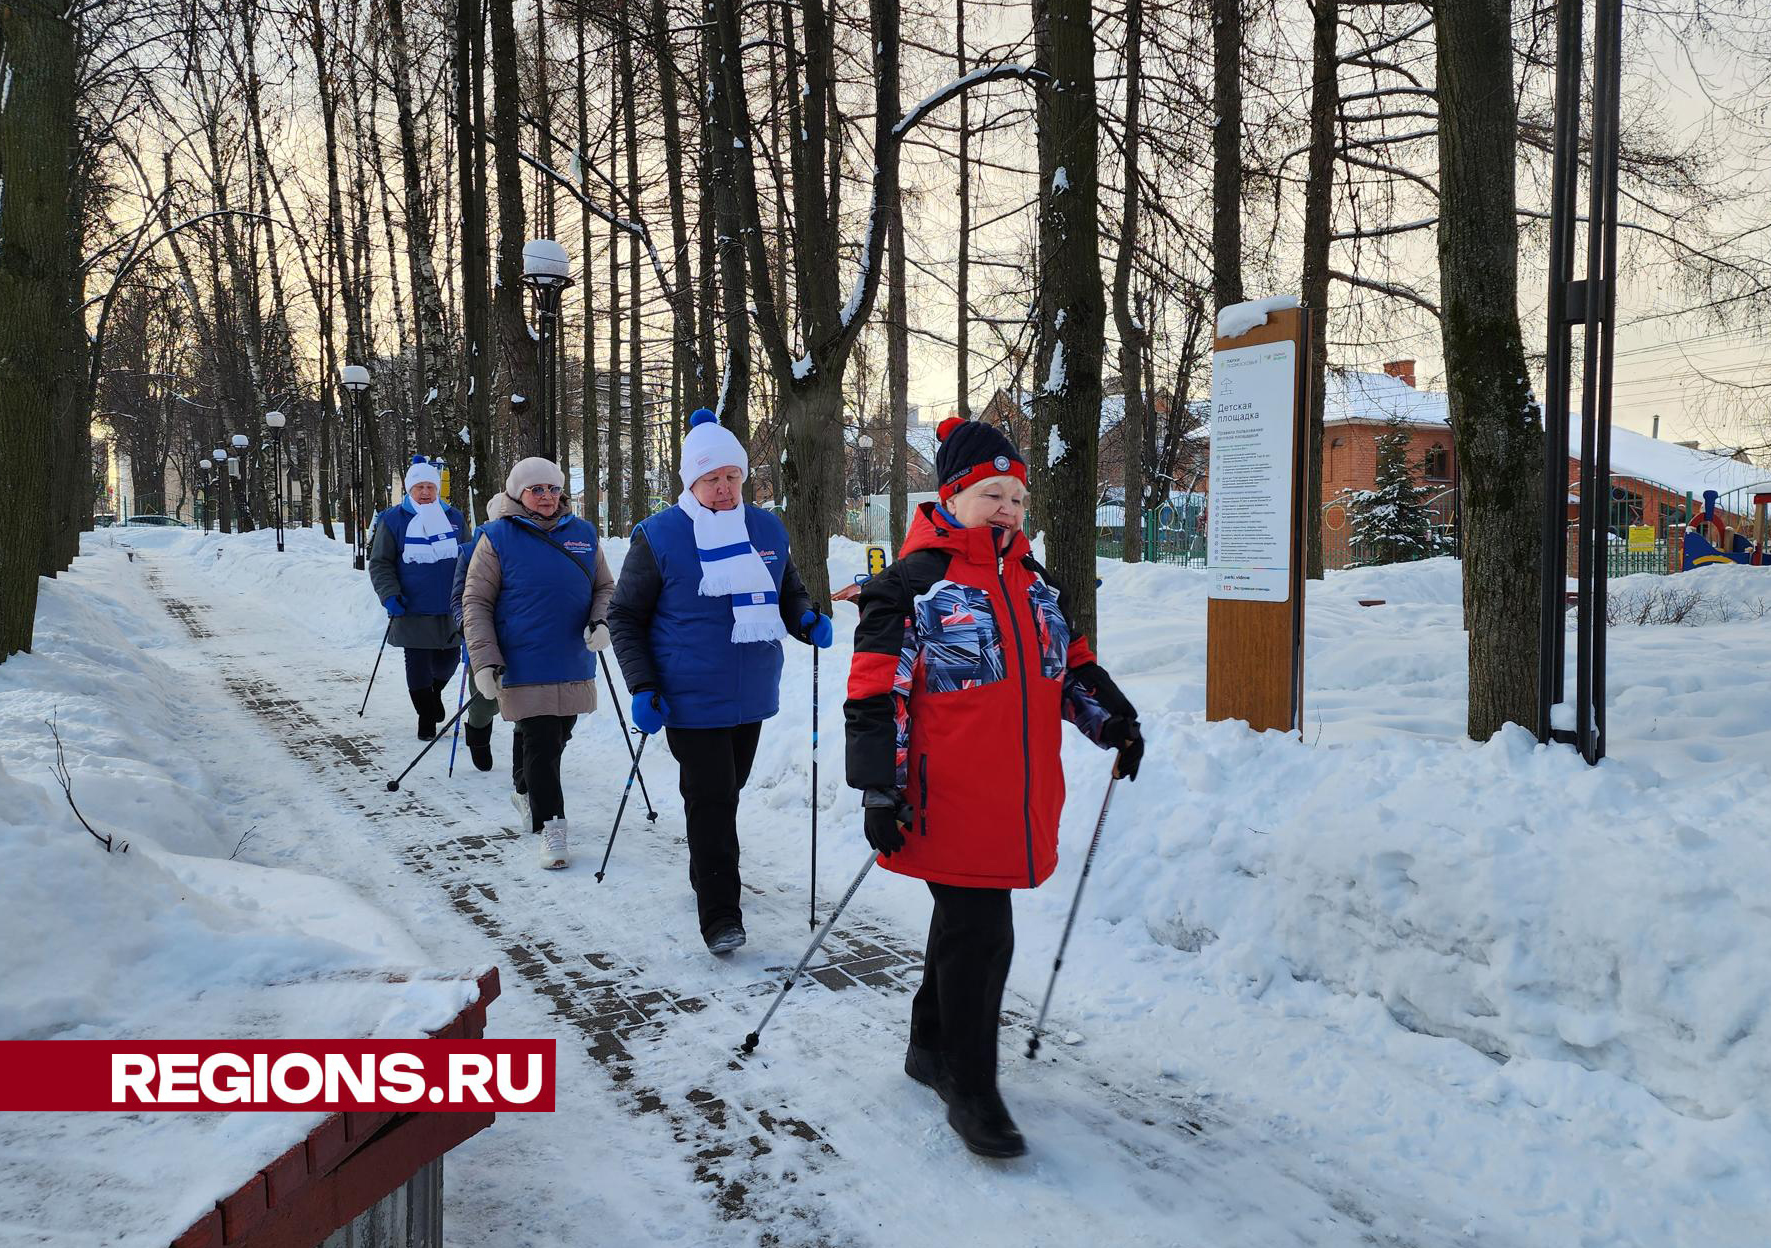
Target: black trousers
(713, 764)
(957, 1009)
(535, 764)
(431, 669)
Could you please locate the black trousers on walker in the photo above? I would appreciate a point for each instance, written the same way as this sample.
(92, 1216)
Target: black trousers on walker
(713, 764)
(958, 1007)
(542, 739)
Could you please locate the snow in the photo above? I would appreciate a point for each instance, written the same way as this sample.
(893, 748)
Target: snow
(1055, 448)
(1060, 181)
(1237, 319)
(1475, 994)
(1056, 376)
(802, 367)
(431, 397)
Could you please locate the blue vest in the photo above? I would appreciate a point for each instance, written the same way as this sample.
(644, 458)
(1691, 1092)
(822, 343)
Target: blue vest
(543, 604)
(424, 586)
(709, 680)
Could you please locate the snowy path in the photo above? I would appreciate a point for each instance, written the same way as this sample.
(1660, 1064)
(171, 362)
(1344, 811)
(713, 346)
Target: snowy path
(662, 1133)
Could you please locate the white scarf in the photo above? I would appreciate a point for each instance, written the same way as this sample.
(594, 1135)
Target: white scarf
(731, 568)
(430, 537)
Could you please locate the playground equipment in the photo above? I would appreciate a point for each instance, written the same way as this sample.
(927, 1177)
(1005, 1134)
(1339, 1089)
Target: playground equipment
(1709, 538)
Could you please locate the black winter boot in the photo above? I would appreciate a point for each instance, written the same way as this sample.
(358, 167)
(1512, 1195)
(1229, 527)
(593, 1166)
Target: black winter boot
(425, 703)
(479, 746)
(983, 1122)
(928, 1068)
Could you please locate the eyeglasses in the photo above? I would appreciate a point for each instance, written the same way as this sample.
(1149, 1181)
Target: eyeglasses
(543, 490)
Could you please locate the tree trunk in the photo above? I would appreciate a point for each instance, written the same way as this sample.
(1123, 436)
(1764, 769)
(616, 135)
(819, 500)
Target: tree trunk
(1072, 312)
(436, 402)
(638, 496)
(1493, 417)
(962, 353)
(1130, 328)
(682, 305)
(1318, 226)
(470, 155)
(516, 350)
(898, 374)
(1226, 152)
(617, 487)
(593, 451)
(37, 139)
(734, 389)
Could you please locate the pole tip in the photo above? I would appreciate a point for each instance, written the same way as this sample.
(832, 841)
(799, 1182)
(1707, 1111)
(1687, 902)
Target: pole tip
(1033, 1047)
(750, 1042)
(599, 877)
(393, 786)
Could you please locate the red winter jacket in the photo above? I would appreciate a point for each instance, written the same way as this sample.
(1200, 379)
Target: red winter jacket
(963, 670)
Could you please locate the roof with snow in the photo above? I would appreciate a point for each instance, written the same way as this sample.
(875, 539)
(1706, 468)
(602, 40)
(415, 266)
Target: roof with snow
(1352, 398)
(1682, 469)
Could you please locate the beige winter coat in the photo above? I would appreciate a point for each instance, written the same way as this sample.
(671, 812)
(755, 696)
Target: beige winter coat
(479, 598)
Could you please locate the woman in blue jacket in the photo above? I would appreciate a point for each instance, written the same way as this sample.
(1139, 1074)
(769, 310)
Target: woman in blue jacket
(706, 594)
(412, 569)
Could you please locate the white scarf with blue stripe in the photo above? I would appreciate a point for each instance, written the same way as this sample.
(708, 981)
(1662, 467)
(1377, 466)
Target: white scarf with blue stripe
(731, 569)
(430, 537)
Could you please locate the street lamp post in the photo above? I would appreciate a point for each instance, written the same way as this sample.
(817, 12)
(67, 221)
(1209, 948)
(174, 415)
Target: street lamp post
(866, 445)
(237, 472)
(205, 506)
(274, 421)
(355, 378)
(547, 272)
(217, 495)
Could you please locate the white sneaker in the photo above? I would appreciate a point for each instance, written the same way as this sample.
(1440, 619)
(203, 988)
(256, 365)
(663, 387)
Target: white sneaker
(553, 844)
(521, 802)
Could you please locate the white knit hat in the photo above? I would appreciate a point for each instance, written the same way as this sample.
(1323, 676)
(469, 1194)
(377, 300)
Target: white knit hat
(533, 471)
(710, 445)
(422, 472)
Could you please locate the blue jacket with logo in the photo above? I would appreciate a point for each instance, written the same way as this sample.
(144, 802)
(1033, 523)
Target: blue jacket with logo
(543, 605)
(671, 639)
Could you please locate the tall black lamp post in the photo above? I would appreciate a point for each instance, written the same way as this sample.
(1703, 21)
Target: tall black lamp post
(865, 443)
(355, 378)
(243, 521)
(547, 272)
(274, 421)
(218, 482)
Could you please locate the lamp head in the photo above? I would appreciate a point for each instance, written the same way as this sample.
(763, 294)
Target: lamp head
(545, 264)
(275, 420)
(241, 441)
(353, 377)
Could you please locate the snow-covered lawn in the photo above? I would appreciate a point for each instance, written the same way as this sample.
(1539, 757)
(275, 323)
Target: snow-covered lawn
(1406, 986)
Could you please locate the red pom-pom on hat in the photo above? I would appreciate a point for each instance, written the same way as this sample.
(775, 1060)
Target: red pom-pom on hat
(948, 426)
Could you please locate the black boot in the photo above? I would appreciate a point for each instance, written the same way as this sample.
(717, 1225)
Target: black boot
(983, 1122)
(436, 700)
(424, 702)
(479, 746)
(928, 1068)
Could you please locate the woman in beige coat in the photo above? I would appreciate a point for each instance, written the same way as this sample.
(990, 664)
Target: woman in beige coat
(533, 609)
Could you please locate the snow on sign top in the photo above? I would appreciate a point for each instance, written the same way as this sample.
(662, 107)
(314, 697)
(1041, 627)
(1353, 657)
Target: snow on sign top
(1237, 319)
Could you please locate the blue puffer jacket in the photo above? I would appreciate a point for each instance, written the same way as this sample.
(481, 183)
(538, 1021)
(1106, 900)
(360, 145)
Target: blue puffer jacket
(670, 638)
(543, 606)
(426, 587)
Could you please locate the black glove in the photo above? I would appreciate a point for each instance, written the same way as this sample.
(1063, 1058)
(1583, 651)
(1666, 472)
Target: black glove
(1130, 738)
(1121, 730)
(887, 815)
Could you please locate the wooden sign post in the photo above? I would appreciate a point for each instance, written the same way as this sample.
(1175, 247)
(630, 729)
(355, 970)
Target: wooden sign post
(1257, 509)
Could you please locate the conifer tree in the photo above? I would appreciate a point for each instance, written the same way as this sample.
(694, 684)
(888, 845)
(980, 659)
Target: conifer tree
(1391, 523)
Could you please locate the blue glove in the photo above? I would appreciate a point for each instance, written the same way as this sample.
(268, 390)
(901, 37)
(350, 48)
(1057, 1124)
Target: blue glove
(819, 630)
(649, 712)
(395, 605)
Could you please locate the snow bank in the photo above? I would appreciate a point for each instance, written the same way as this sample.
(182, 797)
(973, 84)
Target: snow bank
(168, 940)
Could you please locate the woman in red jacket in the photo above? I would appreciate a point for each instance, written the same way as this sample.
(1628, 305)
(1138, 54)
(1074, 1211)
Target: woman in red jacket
(966, 661)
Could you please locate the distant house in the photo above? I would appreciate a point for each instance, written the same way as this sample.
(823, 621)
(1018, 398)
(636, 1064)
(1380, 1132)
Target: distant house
(1661, 483)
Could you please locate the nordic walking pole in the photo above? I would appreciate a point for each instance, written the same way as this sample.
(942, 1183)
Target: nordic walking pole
(812, 919)
(651, 815)
(750, 1041)
(460, 701)
(621, 809)
(393, 785)
(384, 636)
(1093, 844)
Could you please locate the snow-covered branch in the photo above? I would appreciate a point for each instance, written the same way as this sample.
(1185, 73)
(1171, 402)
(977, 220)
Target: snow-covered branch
(1386, 288)
(959, 86)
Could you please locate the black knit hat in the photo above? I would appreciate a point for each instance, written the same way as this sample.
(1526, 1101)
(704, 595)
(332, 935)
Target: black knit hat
(972, 451)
